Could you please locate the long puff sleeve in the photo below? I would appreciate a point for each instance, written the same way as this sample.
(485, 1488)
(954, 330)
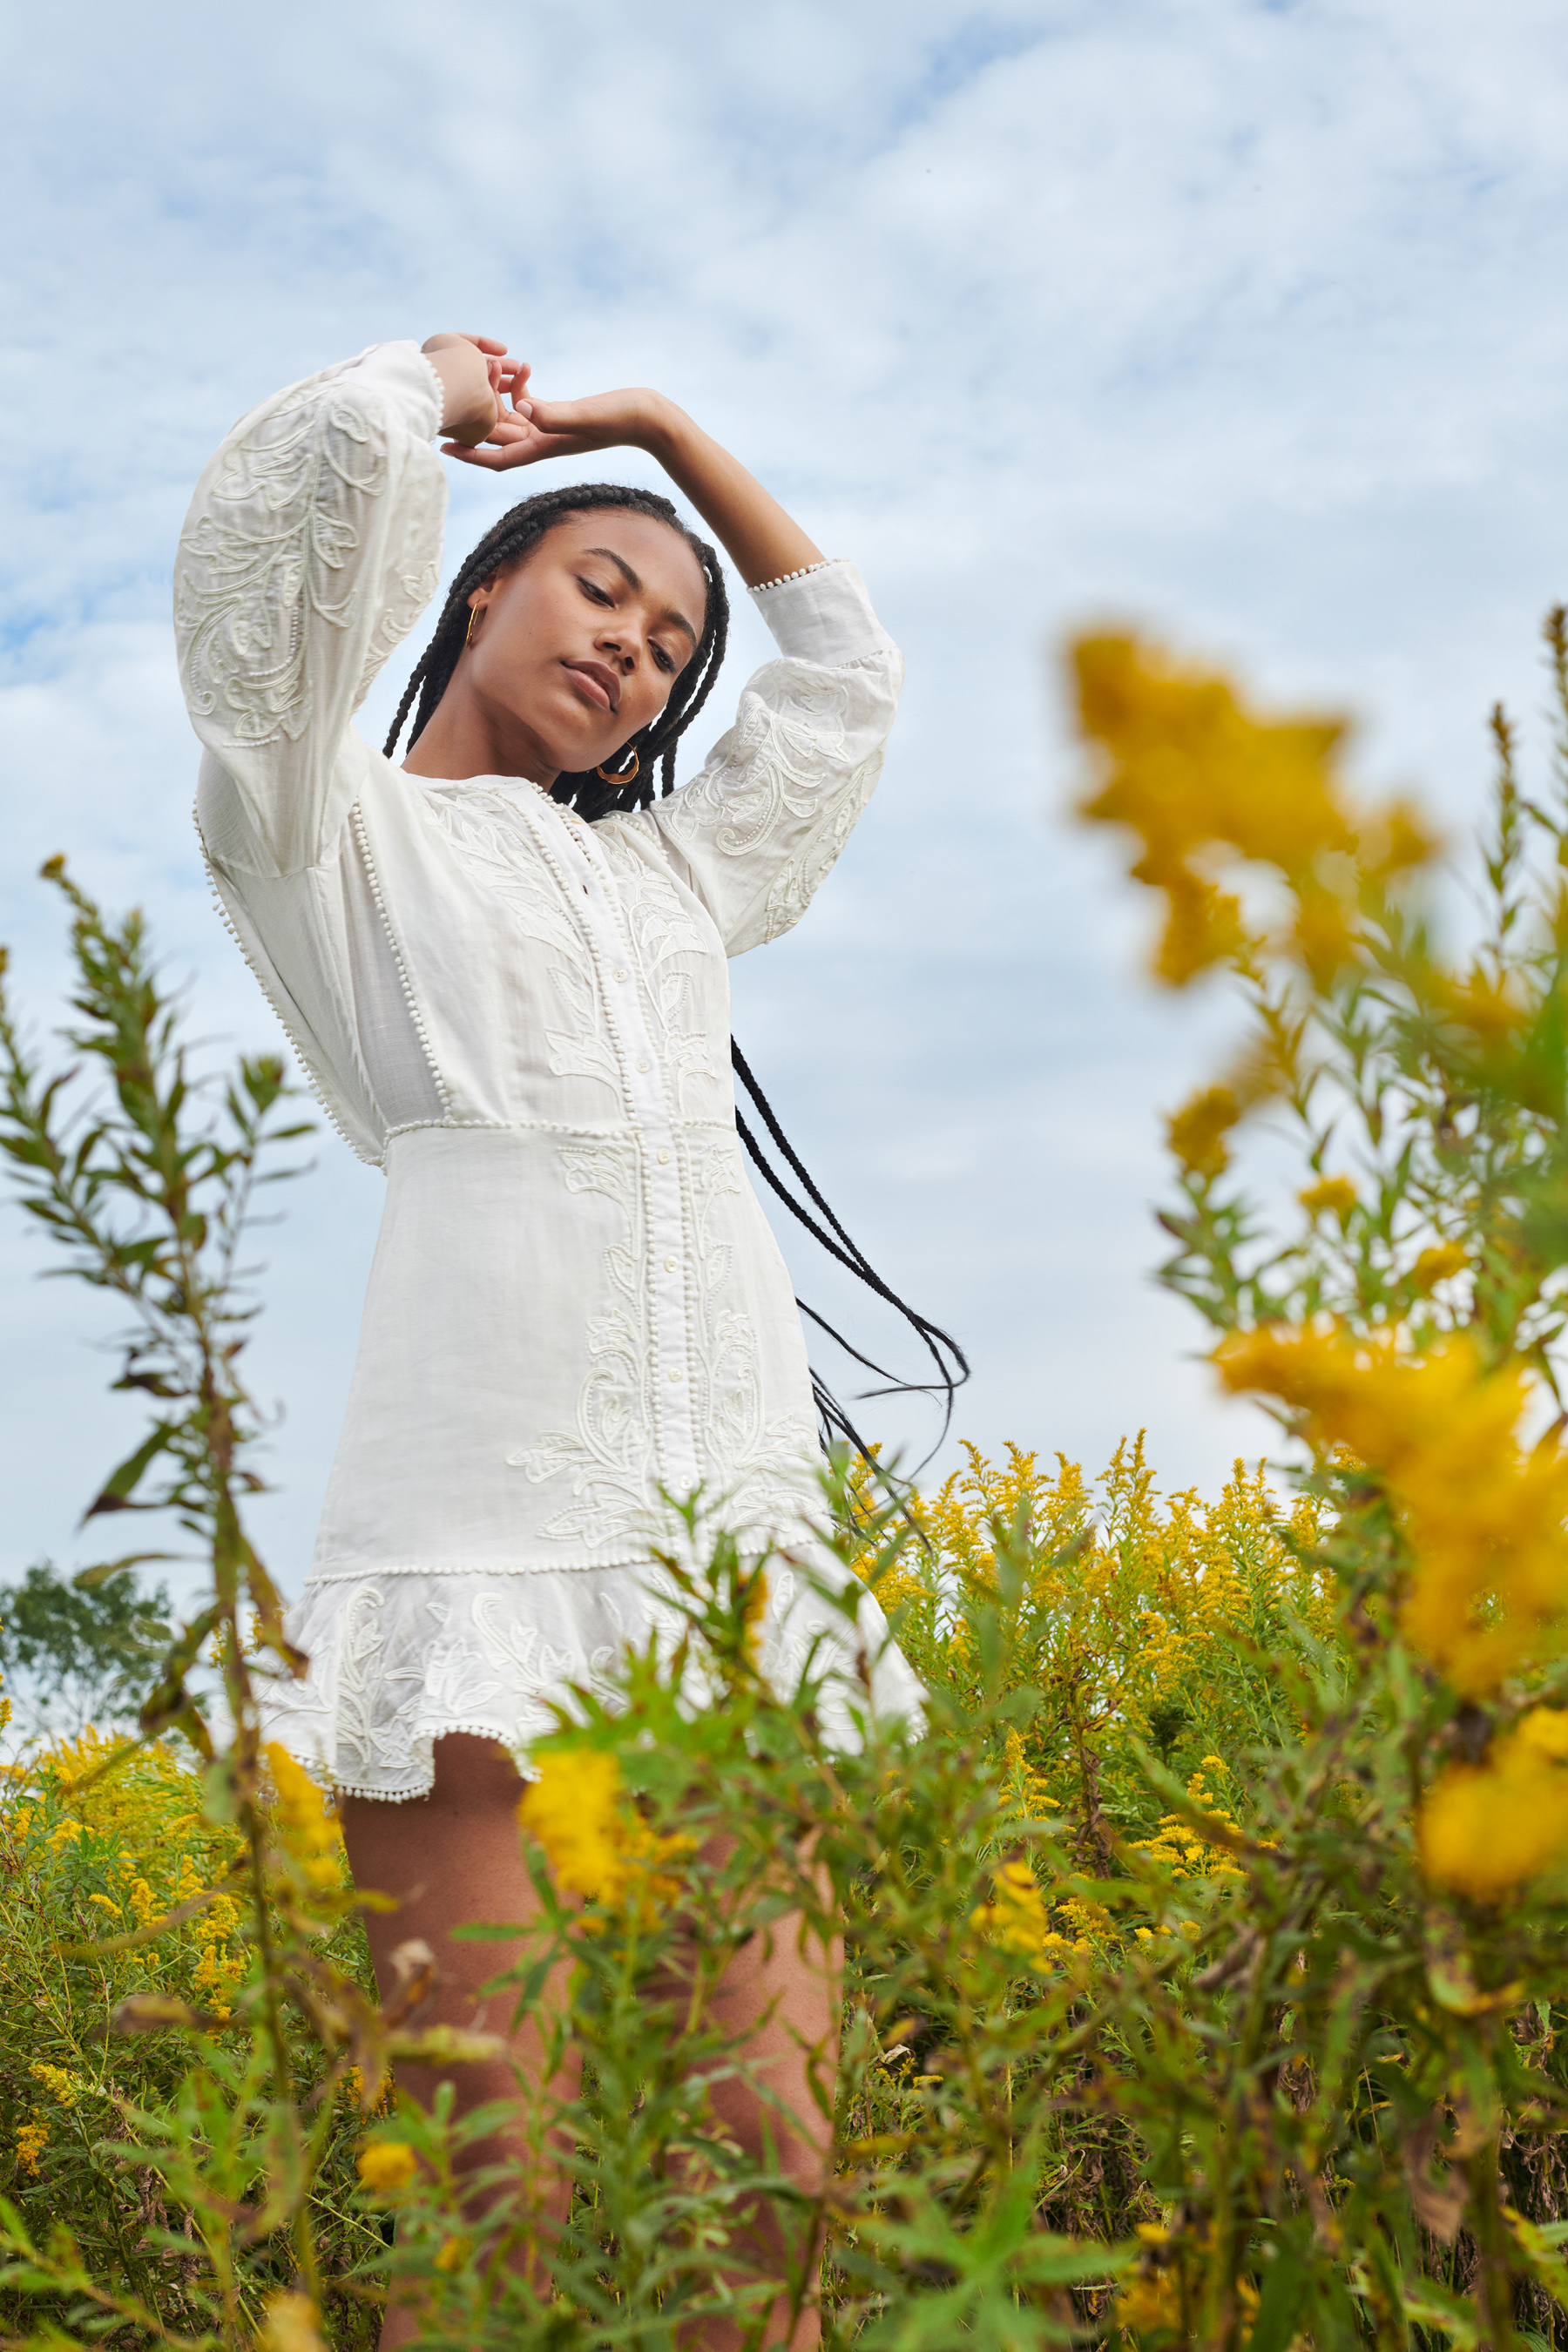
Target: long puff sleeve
(756, 830)
(311, 547)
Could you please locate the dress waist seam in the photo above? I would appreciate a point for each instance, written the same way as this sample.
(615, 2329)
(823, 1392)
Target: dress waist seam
(621, 1127)
(366, 1571)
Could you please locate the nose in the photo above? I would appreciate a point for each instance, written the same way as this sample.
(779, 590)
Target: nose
(615, 647)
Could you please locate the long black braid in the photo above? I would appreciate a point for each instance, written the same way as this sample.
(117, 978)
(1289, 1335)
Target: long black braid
(507, 543)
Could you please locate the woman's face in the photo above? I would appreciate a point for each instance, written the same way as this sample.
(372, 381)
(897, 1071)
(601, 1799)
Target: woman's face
(577, 647)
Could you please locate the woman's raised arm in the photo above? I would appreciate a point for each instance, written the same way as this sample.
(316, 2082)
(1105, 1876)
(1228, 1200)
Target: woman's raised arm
(762, 541)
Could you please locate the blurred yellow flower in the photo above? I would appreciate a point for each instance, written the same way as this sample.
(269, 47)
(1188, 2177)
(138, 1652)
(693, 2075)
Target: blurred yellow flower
(306, 1831)
(1487, 1828)
(754, 1609)
(1438, 1264)
(1195, 773)
(1329, 1196)
(1017, 1918)
(1490, 1008)
(386, 2165)
(572, 1807)
(1197, 1133)
(1149, 2303)
(1486, 1520)
(291, 2323)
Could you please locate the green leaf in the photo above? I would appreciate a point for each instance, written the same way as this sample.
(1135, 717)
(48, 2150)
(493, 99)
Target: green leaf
(86, 1579)
(1284, 2292)
(122, 1482)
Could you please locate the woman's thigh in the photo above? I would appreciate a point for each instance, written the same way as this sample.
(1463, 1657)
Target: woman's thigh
(449, 1860)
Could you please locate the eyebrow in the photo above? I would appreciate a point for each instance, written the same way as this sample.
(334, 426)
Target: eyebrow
(632, 581)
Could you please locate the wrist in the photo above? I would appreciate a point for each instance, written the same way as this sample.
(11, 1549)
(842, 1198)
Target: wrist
(468, 406)
(664, 431)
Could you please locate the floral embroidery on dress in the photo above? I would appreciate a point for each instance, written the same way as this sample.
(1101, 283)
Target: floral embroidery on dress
(609, 1452)
(798, 881)
(761, 1470)
(395, 1665)
(253, 583)
(493, 839)
(664, 934)
(774, 760)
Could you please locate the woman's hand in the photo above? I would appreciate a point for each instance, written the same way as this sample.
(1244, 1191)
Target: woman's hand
(534, 429)
(475, 372)
(764, 541)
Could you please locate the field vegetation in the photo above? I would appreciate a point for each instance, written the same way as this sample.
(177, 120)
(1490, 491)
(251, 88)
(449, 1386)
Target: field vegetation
(1204, 1954)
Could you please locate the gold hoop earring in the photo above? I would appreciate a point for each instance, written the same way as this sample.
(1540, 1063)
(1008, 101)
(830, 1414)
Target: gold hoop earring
(468, 632)
(629, 775)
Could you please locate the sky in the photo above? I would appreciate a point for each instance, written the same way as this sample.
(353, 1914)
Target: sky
(1237, 320)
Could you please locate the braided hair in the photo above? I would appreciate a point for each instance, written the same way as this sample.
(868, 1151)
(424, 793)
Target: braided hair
(508, 542)
(515, 536)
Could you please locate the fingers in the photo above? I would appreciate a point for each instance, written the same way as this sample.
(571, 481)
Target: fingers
(499, 458)
(558, 415)
(486, 343)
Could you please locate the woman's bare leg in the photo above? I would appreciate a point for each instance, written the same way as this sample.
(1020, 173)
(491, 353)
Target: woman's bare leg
(455, 1857)
(779, 2003)
(451, 1859)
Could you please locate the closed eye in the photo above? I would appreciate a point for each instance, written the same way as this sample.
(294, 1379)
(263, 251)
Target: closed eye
(591, 589)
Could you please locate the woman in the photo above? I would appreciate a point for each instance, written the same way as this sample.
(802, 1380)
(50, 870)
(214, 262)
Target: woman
(504, 968)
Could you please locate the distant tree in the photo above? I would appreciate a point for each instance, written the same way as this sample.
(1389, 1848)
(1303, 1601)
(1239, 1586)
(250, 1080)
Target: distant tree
(73, 1655)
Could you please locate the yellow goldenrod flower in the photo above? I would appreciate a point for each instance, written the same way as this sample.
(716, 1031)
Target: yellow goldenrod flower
(1197, 1133)
(1491, 1009)
(1436, 1264)
(1484, 1517)
(754, 1609)
(306, 1831)
(1017, 1918)
(291, 2323)
(30, 2143)
(571, 1806)
(386, 2165)
(65, 2088)
(1195, 775)
(1146, 2305)
(1331, 1195)
(1487, 1828)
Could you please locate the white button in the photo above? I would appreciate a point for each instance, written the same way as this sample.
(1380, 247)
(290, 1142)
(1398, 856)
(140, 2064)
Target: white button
(675, 1371)
(669, 1265)
(643, 1066)
(664, 1159)
(620, 973)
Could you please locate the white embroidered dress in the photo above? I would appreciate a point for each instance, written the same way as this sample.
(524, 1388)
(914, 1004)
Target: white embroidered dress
(524, 1021)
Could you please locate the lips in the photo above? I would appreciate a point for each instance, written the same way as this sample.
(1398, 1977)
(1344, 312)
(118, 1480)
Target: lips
(601, 685)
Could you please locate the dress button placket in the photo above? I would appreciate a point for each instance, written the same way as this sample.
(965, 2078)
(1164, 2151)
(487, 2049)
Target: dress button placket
(647, 1090)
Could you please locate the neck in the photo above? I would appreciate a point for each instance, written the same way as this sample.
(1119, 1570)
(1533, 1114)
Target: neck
(465, 737)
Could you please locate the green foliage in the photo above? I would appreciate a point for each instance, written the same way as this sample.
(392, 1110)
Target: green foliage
(1185, 2000)
(85, 1654)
